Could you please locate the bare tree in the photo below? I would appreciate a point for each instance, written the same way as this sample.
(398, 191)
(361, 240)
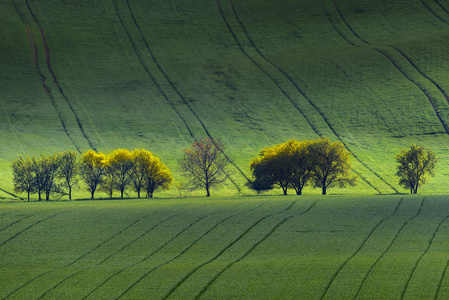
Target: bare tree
(205, 164)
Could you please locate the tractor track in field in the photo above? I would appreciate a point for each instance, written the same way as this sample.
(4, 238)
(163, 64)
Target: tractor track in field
(170, 82)
(30, 226)
(35, 57)
(194, 270)
(326, 290)
(186, 249)
(228, 266)
(146, 257)
(9, 193)
(434, 13)
(70, 264)
(290, 80)
(387, 249)
(395, 63)
(53, 75)
(415, 266)
(17, 221)
(442, 6)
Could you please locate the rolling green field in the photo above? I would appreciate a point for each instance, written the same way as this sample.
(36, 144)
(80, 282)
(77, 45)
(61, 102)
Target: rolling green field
(309, 247)
(158, 74)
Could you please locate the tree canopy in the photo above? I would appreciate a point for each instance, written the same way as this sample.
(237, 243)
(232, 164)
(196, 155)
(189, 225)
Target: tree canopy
(414, 167)
(295, 164)
(205, 164)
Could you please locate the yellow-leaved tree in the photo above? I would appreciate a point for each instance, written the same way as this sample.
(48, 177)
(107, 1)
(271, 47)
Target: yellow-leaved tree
(331, 164)
(149, 173)
(285, 165)
(92, 168)
(118, 167)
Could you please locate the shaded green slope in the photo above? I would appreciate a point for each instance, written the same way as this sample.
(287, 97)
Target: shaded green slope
(157, 75)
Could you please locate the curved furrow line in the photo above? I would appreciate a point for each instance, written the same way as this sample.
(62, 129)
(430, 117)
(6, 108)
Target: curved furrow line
(423, 90)
(347, 24)
(328, 16)
(440, 283)
(433, 13)
(442, 7)
(45, 273)
(17, 221)
(326, 290)
(279, 224)
(387, 249)
(9, 193)
(422, 255)
(175, 89)
(34, 55)
(422, 73)
(186, 249)
(70, 264)
(28, 227)
(276, 83)
(55, 80)
(194, 270)
(296, 86)
(73, 274)
(153, 79)
(149, 255)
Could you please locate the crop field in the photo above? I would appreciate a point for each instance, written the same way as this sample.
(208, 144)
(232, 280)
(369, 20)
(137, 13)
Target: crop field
(157, 74)
(309, 247)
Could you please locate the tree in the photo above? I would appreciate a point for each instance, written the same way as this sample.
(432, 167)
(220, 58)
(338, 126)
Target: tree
(119, 165)
(92, 168)
(50, 167)
(205, 164)
(23, 176)
(68, 171)
(330, 164)
(285, 165)
(149, 173)
(414, 166)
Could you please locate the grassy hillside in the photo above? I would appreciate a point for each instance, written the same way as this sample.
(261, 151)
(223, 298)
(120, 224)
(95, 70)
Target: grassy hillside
(337, 247)
(156, 75)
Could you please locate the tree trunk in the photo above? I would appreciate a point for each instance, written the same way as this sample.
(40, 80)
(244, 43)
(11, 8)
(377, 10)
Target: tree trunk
(92, 194)
(285, 191)
(138, 193)
(324, 190)
(28, 196)
(40, 197)
(121, 193)
(299, 191)
(207, 191)
(70, 193)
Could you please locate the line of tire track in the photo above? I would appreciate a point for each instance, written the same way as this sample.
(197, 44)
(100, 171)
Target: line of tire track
(387, 249)
(326, 290)
(433, 13)
(30, 226)
(440, 283)
(194, 270)
(17, 221)
(442, 7)
(186, 249)
(153, 79)
(175, 89)
(79, 258)
(148, 256)
(34, 55)
(55, 79)
(9, 193)
(45, 273)
(422, 255)
(383, 53)
(296, 86)
(279, 224)
(74, 274)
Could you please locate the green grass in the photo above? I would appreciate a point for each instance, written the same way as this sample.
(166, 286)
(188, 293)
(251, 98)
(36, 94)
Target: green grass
(156, 75)
(243, 248)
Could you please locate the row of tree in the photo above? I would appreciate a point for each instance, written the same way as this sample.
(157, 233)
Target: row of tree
(293, 164)
(319, 163)
(61, 172)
